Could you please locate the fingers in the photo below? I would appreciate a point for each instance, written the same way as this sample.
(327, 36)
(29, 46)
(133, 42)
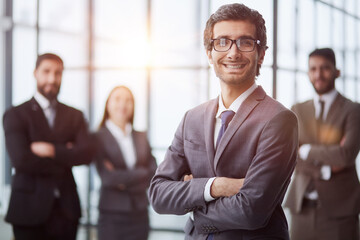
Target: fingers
(108, 165)
(188, 177)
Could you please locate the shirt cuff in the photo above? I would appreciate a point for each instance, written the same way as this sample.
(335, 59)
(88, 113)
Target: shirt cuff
(304, 151)
(325, 172)
(207, 195)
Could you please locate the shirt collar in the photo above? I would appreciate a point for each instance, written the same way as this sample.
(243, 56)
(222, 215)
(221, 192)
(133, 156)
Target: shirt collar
(117, 131)
(234, 106)
(43, 101)
(328, 98)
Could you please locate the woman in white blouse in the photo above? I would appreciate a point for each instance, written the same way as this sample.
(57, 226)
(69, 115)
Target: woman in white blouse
(125, 165)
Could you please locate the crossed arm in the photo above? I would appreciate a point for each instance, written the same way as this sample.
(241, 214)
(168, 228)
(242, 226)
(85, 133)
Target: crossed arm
(255, 200)
(222, 186)
(46, 149)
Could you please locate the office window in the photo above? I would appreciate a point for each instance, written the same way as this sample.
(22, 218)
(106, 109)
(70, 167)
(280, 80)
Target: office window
(65, 45)
(324, 29)
(286, 40)
(24, 58)
(24, 12)
(173, 93)
(350, 88)
(176, 37)
(304, 88)
(73, 90)
(120, 34)
(285, 88)
(337, 32)
(64, 15)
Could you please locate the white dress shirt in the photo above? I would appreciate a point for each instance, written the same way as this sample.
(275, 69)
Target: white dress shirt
(233, 107)
(125, 142)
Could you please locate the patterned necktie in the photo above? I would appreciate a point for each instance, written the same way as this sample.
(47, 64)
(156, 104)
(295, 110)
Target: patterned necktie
(226, 117)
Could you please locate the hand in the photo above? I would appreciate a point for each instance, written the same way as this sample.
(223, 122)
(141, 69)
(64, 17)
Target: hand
(43, 149)
(226, 187)
(69, 145)
(188, 177)
(108, 165)
(335, 169)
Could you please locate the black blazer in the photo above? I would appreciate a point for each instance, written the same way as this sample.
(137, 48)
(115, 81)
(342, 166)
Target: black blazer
(131, 196)
(36, 178)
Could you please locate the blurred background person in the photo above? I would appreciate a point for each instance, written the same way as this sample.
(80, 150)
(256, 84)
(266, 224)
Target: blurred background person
(45, 139)
(125, 165)
(324, 198)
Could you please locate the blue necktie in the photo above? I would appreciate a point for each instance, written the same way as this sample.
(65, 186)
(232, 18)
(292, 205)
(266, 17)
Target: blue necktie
(226, 117)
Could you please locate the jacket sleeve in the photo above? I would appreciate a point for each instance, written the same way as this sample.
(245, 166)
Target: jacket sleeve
(83, 146)
(265, 184)
(340, 155)
(18, 147)
(150, 171)
(168, 193)
(134, 180)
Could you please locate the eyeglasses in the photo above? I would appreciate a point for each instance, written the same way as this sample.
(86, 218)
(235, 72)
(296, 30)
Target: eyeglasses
(242, 44)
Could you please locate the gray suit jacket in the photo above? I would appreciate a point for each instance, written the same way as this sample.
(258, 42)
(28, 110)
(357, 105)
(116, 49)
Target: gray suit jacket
(339, 196)
(259, 145)
(133, 197)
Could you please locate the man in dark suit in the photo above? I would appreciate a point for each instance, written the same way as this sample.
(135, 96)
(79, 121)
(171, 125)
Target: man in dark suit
(232, 157)
(324, 197)
(45, 139)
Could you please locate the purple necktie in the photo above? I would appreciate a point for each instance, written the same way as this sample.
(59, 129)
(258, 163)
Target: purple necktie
(226, 117)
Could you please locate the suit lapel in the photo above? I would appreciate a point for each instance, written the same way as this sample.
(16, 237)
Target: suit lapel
(335, 108)
(242, 113)
(329, 129)
(38, 115)
(310, 122)
(209, 126)
(137, 145)
(113, 149)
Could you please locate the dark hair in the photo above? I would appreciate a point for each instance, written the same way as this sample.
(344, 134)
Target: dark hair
(327, 53)
(106, 113)
(48, 56)
(236, 11)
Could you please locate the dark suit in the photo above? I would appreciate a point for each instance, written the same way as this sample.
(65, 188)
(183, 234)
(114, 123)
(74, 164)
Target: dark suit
(260, 145)
(36, 179)
(340, 195)
(123, 210)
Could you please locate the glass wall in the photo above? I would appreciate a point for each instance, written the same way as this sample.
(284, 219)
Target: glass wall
(2, 102)
(155, 48)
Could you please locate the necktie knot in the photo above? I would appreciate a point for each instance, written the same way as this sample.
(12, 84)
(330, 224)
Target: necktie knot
(226, 117)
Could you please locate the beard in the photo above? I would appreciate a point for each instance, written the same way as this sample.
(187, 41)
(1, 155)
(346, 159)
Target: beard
(325, 89)
(50, 94)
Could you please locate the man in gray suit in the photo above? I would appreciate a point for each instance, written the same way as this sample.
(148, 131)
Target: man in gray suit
(324, 197)
(232, 157)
